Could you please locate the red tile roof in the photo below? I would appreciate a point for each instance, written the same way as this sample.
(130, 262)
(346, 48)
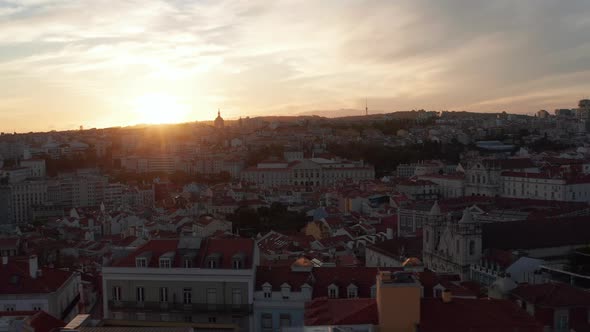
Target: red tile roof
(44, 322)
(552, 295)
(324, 311)
(320, 278)
(226, 248)
(530, 234)
(15, 278)
(466, 315)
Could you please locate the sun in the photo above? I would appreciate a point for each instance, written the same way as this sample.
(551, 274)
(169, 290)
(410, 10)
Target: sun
(157, 108)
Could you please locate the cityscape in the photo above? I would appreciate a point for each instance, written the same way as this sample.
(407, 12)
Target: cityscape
(361, 216)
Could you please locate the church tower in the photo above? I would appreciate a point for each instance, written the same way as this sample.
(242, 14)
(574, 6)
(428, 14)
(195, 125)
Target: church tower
(219, 122)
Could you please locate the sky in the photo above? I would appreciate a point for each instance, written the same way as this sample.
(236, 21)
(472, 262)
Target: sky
(100, 63)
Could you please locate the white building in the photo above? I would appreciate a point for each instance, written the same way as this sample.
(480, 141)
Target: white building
(23, 195)
(308, 172)
(184, 280)
(546, 187)
(482, 177)
(36, 166)
(24, 286)
(449, 185)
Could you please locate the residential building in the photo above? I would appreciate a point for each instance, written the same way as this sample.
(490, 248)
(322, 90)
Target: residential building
(558, 307)
(209, 281)
(24, 286)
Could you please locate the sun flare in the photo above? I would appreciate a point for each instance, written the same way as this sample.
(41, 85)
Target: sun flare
(159, 108)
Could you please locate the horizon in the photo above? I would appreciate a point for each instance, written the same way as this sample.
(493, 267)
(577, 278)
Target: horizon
(66, 64)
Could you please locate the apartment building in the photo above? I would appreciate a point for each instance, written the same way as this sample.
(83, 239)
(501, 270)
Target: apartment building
(24, 286)
(209, 281)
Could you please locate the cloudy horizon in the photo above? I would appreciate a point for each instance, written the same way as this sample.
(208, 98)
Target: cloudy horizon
(108, 63)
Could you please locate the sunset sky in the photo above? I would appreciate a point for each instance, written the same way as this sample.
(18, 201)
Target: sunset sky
(106, 63)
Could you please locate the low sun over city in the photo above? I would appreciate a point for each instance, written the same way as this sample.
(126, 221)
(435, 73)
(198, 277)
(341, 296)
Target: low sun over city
(294, 166)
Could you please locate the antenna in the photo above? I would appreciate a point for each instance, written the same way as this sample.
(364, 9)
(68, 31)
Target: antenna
(366, 107)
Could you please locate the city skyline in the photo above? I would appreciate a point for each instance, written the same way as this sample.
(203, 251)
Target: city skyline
(64, 64)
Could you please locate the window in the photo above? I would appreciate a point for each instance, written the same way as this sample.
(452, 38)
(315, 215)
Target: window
(332, 291)
(141, 316)
(116, 293)
(163, 294)
(236, 295)
(187, 263)
(306, 290)
(140, 294)
(563, 322)
(267, 289)
(285, 291)
(141, 262)
(187, 296)
(285, 320)
(373, 291)
(211, 298)
(37, 307)
(165, 263)
(9, 307)
(471, 247)
(212, 319)
(267, 322)
(165, 317)
(352, 291)
(212, 264)
(237, 264)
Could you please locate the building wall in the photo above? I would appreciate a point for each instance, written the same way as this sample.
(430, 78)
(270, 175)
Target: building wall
(176, 279)
(377, 259)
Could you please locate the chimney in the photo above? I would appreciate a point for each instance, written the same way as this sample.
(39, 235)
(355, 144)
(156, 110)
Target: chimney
(447, 296)
(4, 260)
(33, 266)
(398, 301)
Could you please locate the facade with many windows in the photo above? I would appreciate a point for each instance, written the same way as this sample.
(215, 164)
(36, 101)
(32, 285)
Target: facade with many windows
(308, 172)
(184, 280)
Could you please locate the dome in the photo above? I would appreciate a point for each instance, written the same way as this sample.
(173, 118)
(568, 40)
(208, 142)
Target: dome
(219, 122)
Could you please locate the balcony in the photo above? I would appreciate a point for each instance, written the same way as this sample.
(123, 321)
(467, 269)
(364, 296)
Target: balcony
(180, 307)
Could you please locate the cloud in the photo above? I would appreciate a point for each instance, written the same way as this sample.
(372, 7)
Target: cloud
(256, 57)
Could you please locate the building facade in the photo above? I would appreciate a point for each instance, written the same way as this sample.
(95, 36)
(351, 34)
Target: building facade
(177, 280)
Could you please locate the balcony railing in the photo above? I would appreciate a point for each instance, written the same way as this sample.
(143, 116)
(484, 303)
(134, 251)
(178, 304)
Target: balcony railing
(180, 307)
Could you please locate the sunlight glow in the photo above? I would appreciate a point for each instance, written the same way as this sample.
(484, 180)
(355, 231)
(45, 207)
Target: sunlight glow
(159, 108)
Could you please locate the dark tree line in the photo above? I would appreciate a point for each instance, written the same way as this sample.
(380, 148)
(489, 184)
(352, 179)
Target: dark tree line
(386, 158)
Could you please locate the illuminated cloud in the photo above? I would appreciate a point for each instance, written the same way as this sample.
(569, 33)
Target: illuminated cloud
(68, 62)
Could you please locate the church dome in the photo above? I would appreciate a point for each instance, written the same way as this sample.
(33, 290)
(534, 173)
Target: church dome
(219, 122)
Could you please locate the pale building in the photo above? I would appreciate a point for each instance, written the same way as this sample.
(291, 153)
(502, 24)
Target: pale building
(546, 187)
(450, 246)
(184, 281)
(307, 172)
(36, 166)
(24, 286)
